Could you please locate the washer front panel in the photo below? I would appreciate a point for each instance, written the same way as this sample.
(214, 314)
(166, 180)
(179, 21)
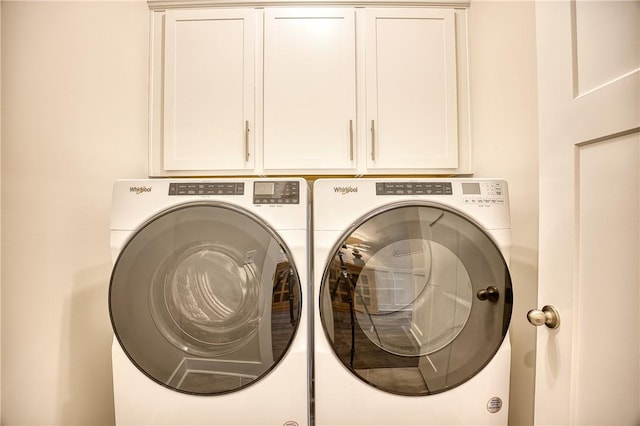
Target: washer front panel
(416, 298)
(205, 298)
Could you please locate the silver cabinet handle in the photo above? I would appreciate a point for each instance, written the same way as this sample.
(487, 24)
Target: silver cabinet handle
(548, 316)
(246, 140)
(351, 140)
(373, 140)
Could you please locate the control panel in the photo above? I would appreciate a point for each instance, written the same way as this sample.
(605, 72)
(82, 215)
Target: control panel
(206, 188)
(483, 193)
(276, 192)
(414, 188)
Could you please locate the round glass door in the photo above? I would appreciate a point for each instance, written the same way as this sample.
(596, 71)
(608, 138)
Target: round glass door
(205, 298)
(416, 299)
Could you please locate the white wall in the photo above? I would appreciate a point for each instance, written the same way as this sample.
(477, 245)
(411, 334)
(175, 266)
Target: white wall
(74, 117)
(74, 108)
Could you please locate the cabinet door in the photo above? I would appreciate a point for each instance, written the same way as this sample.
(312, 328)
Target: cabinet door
(411, 96)
(208, 89)
(309, 90)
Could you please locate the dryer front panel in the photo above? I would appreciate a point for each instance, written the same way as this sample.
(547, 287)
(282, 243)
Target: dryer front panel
(205, 298)
(416, 298)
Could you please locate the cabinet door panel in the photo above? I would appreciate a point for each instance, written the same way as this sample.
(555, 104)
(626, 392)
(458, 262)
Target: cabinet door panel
(411, 96)
(309, 89)
(208, 89)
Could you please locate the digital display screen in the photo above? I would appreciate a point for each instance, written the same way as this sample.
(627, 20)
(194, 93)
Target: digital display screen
(264, 188)
(471, 188)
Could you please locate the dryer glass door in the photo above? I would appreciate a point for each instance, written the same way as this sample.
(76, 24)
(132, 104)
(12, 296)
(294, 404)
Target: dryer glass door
(416, 299)
(205, 298)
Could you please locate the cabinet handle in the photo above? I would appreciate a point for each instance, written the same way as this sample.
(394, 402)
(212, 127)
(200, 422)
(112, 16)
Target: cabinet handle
(373, 141)
(351, 140)
(246, 140)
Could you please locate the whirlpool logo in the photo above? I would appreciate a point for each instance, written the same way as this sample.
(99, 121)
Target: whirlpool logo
(139, 189)
(345, 190)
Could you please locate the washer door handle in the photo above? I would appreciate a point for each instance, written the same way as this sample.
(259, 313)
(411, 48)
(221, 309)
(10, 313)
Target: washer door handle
(548, 316)
(490, 293)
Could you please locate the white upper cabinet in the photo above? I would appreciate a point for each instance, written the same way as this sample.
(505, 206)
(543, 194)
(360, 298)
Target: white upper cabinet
(411, 89)
(205, 85)
(309, 90)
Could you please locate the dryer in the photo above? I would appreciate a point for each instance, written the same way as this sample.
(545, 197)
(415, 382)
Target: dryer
(208, 301)
(412, 300)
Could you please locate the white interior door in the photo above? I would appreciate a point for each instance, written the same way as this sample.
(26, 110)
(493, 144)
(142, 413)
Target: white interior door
(587, 369)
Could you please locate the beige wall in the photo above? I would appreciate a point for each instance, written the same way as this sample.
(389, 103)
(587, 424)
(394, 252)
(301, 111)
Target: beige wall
(74, 105)
(0, 210)
(74, 118)
(504, 121)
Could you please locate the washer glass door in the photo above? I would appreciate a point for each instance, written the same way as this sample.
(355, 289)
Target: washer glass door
(205, 298)
(416, 299)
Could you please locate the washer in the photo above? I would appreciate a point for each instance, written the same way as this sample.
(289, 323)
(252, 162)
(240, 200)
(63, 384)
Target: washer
(413, 301)
(207, 301)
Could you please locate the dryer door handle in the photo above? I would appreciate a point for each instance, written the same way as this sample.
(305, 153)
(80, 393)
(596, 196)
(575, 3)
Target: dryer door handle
(491, 293)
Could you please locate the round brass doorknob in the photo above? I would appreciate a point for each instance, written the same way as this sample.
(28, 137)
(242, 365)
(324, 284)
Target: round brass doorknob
(548, 316)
